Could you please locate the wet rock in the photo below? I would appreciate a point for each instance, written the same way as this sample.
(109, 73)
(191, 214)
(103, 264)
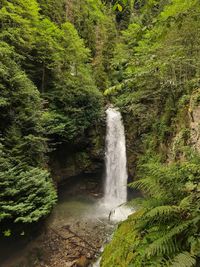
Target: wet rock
(82, 262)
(70, 264)
(89, 255)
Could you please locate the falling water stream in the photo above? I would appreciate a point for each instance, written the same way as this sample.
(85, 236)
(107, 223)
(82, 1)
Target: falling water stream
(115, 188)
(116, 172)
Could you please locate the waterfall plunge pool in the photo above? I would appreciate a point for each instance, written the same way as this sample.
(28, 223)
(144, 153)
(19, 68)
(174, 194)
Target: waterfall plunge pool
(76, 209)
(80, 209)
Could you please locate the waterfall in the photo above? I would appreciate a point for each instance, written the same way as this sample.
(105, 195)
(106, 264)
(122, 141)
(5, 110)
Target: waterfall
(115, 188)
(115, 191)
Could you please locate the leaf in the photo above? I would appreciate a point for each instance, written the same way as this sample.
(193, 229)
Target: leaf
(162, 211)
(119, 7)
(7, 233)
(183, 259)
(166, 243)
(190, 186)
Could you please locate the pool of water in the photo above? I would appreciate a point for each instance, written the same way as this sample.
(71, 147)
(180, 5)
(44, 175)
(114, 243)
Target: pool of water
(81, 207)
(77, 202)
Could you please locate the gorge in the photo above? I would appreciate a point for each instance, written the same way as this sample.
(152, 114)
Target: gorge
(70, 70)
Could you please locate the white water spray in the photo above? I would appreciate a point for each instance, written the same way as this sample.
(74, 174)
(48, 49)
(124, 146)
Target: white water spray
(115, 191)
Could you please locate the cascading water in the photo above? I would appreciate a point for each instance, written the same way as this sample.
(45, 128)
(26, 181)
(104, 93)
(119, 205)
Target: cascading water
(115, 190)
(116, 172)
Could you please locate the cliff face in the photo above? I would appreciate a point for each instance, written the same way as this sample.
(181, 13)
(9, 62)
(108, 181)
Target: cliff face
(87, 156)
(194, 121)
(183, 129)
(186, 129)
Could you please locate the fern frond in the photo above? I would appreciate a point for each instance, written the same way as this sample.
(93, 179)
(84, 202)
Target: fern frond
(162, 246)
(183, 259)
(186, 202)
(146, 203)
(162, 211)
(166, 244)
(148, 185)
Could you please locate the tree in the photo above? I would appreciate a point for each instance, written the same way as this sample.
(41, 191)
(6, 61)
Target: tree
(27, 193)
(54, 10)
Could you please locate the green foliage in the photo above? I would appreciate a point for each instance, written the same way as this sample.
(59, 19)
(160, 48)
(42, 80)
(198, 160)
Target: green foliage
(183, 259)
(27, 193)
(20, 112)
(54, 10)
(56, 60)
(161, 64)
(95, 23)
(18, 19)
(7, 233)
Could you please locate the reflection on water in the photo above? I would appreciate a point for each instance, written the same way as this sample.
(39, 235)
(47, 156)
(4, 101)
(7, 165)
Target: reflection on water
(72, 208)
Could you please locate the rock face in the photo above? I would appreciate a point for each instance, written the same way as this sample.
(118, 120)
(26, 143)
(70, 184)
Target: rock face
(187, 129)
(85, 156)
(194, 115)
(136, 124)
(131, 144)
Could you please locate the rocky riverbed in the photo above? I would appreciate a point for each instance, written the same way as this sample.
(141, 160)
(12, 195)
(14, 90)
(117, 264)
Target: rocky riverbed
(76, 244)
(74, 233)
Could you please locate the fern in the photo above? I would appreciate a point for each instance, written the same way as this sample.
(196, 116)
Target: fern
(162, 246)
(186, 202)
(162, 211)
(166, 244)
(148, 186)
(146, 203)
(183, 259)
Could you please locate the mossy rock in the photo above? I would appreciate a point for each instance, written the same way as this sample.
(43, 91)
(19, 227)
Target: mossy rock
(120, 251)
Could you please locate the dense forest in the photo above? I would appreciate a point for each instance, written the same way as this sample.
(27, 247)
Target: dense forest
(62, 62)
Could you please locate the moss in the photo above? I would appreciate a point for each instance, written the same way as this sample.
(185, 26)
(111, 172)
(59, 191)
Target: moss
(120, 251)
(83, 160)
(195, 99)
